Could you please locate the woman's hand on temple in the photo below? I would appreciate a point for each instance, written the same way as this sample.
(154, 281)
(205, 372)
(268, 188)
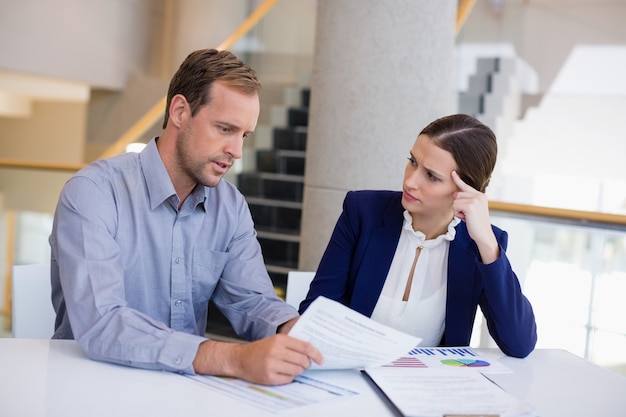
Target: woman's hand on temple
(472, 206)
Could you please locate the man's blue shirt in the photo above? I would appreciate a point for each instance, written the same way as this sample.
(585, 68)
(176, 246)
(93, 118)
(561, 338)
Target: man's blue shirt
(132, 275)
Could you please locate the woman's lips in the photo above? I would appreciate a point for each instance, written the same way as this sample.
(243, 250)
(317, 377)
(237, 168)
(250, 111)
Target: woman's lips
(409, 197)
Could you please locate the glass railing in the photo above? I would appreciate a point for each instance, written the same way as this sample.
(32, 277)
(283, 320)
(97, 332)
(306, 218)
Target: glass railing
(573, 273)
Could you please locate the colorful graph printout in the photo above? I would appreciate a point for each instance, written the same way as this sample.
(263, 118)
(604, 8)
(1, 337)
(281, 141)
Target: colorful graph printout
(303, 391)
(445, 351)
(465, 362)
(407, 362)
(446, 357)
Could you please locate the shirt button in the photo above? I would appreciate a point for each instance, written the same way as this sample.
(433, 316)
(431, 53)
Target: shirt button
(178, 303)
(177, 360)
(177, 260)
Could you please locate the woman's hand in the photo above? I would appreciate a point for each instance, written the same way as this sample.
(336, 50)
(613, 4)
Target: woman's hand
(472, 206)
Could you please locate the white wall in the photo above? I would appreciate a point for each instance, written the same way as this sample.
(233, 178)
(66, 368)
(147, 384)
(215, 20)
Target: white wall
(99, 42)
(204, 24)
(543, 32)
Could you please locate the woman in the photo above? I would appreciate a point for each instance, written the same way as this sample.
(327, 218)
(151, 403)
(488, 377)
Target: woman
(423, 259)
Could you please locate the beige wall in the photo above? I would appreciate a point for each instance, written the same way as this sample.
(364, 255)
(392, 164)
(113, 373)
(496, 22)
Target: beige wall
(54, 133)
(99, 42)
(203, 24)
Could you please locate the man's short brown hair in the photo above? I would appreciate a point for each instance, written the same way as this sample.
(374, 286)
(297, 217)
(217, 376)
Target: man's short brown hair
(200, 69)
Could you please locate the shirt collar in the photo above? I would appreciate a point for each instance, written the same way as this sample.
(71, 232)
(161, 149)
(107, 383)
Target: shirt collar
(159, 183)
(199, 196)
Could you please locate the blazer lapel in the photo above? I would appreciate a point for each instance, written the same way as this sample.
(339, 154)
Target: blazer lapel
(460, 287)
(376, 259)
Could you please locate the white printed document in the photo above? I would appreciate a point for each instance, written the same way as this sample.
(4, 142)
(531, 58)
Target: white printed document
(444, 392)
(303, 391)
(348, 339)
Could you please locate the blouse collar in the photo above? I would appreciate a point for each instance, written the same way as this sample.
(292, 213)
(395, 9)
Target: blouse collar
(421, 237)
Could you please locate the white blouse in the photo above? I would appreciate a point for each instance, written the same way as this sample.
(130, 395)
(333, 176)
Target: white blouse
(423, 315)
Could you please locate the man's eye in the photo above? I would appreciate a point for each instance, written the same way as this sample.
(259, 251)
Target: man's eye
(412, 160)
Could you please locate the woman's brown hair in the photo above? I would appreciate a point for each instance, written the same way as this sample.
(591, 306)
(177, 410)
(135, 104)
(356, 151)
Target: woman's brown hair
(471, 143)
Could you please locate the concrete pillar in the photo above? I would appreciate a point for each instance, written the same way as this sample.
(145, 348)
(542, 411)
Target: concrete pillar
(382, 70)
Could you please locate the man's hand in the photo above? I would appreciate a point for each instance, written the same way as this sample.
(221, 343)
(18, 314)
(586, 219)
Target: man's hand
(271, 361)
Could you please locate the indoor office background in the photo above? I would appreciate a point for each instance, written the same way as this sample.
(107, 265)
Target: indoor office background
(547, 76)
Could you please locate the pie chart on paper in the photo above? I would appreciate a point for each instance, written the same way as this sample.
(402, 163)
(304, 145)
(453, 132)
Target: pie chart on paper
(472, 363)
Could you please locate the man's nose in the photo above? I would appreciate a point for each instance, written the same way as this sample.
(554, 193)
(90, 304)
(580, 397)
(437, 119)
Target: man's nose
(235, 148)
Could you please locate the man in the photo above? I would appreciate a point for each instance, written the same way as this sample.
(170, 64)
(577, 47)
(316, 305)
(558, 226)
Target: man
(141, 243)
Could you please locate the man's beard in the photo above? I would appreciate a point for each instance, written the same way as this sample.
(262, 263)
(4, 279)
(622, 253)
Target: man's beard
(194, 168)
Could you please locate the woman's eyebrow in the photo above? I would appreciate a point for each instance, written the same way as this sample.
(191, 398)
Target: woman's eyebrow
(433, 171)
(430, 170)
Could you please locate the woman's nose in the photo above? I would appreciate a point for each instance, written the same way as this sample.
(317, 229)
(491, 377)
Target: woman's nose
(411, 180)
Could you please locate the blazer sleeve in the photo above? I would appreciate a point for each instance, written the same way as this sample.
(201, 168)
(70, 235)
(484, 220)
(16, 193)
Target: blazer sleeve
(509, 314)
(354, 266)
(331, 278)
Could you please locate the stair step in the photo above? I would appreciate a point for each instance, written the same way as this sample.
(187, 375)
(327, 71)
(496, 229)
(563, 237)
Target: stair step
(298, 116)
(480, 82)
(305, 97)
(471, 104)
(280, 161)
(286, 236)
(260, 201)
(271, 186)
(290, 138)
(278, 252)
(283, 221)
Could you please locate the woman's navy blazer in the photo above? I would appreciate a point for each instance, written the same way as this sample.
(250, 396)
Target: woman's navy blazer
(354, 267)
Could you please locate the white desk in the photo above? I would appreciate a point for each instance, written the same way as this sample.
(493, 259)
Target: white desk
(55, 379)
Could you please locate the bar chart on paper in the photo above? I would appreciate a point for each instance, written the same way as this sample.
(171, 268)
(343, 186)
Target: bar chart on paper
(448, 357)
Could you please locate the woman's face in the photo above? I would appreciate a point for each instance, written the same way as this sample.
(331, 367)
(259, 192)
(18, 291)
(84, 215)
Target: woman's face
(428, 187)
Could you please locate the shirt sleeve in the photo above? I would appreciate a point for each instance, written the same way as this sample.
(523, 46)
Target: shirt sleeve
(92, 280)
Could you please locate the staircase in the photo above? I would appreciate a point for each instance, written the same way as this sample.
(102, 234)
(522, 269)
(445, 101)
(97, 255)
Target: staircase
(274, 193)
(274, 190)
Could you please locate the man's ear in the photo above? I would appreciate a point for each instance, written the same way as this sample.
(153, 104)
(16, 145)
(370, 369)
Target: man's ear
(179, 110)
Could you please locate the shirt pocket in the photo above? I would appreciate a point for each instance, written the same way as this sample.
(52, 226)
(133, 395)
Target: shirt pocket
(206, 269)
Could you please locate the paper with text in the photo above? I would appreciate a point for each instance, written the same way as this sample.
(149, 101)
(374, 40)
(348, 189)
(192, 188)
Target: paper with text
(303, 391)
(440, 392)
(348, 339)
